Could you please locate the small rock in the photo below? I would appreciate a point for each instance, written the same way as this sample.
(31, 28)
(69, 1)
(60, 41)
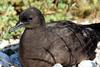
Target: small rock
(98, 45)
(15, 60)
(97, 59)
(87, 63)
(57, 65)
(4, 60)
(3, 44)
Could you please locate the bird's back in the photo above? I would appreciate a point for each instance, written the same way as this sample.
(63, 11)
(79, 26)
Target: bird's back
(72, 41)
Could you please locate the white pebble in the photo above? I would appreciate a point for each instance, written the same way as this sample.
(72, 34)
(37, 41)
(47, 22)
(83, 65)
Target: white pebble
(87, 63)
(57, 65)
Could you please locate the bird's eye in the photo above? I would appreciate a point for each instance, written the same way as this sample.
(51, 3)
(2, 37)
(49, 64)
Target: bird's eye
(30, 18)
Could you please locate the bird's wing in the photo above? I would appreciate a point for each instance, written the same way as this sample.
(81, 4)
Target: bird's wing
(72, 35)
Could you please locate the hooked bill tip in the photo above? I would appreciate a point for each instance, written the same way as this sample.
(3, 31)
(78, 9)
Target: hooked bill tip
(13, 29)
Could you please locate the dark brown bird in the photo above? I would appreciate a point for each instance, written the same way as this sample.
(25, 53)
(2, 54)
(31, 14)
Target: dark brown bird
(62, 42)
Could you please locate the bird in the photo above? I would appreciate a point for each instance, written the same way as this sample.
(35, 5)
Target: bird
(64, 42)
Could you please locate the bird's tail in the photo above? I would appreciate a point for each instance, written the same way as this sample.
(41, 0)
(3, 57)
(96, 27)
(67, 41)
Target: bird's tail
(95, 26)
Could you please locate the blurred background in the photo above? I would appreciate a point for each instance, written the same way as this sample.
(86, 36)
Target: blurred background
(75, 10)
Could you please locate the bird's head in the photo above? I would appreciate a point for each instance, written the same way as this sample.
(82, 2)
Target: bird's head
(30, 18)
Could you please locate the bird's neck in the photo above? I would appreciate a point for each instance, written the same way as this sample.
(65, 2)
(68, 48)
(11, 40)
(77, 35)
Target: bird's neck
(33, 36)
(39, 31)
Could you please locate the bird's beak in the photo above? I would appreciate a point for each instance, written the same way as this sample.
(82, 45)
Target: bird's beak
(17, 26)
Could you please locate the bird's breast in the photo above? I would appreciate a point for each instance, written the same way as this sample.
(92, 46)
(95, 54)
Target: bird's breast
(32, 43)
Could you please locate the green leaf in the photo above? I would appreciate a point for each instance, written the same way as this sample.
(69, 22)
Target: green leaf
(61, 5)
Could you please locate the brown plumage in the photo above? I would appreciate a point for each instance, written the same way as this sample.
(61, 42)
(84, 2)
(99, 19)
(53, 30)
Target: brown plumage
(62, 42)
